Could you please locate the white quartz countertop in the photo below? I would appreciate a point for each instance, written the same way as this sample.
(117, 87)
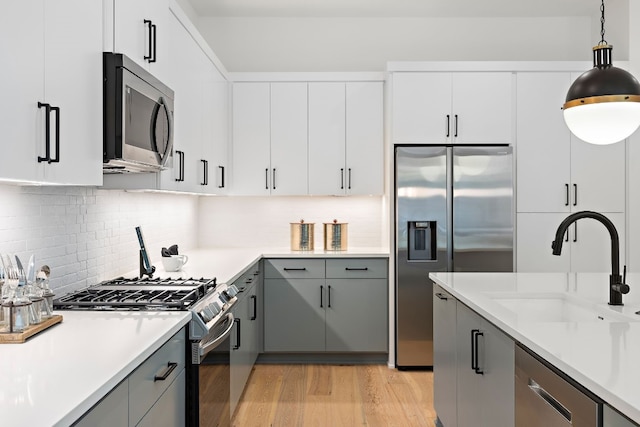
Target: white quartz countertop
(601, 353)
(229, 264)
(59, 374)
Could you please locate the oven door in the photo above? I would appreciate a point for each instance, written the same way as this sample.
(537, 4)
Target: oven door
(210, 377)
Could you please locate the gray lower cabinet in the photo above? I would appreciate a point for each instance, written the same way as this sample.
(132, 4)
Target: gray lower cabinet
(318, 305)
(445, 363)
(485, 372)
(153, 394)
(612, 418)
(245, 336)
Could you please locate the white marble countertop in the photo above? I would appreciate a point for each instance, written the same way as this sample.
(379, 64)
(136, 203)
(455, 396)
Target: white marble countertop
(601, 355)
(59, 374)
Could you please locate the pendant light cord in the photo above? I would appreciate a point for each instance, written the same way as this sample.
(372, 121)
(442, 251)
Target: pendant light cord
(602, 41)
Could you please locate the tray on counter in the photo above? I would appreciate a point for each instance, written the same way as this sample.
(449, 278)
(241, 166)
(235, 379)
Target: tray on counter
(20, 337)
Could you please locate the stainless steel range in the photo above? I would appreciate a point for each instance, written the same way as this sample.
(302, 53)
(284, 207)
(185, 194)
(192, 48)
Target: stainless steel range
(211, 324)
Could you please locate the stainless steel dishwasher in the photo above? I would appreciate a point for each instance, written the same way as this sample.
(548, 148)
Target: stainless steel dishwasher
(544, 398)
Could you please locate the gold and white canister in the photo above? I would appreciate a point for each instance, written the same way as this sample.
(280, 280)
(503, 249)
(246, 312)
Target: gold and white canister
(335, 236)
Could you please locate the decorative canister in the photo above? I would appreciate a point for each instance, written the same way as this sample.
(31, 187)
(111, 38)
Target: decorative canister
(335, 236)
(302, 236)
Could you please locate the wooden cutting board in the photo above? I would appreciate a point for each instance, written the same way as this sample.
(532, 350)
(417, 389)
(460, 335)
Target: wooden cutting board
(20, 337)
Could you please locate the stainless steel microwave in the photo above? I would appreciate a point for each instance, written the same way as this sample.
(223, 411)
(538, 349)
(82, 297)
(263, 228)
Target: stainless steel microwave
(138, 118)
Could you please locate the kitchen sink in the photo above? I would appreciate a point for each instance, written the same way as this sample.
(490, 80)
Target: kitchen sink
(558, 308)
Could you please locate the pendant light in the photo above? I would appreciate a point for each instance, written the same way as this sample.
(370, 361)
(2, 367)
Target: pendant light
(603, 104)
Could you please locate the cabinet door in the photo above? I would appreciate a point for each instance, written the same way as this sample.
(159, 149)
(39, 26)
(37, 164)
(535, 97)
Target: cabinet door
(217, 128)
(294, 317)
(597, 176)
(240, 350)
(543, 143)
(170, 409)
(497, 361)
(288, 139)
(444, 356)
(356, 315)
(22, 87)
(364, 138)
(111, 411)
(131, 33)
(251, 145)
(482, 108)
(469, 398)
(75, 89)
(421, 108)
(611, 418)
(327, 175)
(591, 244)
(536, 231)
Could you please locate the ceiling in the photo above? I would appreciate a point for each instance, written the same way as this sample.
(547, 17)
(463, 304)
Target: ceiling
(399, 8)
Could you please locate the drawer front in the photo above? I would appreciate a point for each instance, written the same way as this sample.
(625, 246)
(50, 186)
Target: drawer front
(294, 269)
(357, 268)
(144, 388)
(249, 278)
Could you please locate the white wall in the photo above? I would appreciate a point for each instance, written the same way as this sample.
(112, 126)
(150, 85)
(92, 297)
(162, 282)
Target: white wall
(366, 44)
(87, 235)
(265, 221)
(633, 172)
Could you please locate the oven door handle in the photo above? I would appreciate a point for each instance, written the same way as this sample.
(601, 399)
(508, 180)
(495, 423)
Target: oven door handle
(203, 350)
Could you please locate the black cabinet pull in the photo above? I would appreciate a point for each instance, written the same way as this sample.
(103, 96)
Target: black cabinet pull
(273, 178)
(478, 370)
(566, 190)
(441, 296)
(57, 158)
(349, 181)
(237, 344)
(255, 307)
(180, 177)
(221, 176)
(205, 172)
(455, 133)
(575, 231)
(321, 293)
(342, 178)
(153, 31)
(329, 298)
(295, 269)
(47, 132)
(566, 236)
(149, 25)
(575, 194)
(266, 179)
(448, 125)
(356, 268)
(170, 367)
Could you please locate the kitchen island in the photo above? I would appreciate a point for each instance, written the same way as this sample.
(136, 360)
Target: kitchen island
(564, 318)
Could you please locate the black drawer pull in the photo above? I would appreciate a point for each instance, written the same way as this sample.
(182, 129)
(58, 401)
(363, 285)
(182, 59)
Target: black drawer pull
(238, 327)
(170, 367)
(442, 296)
(255, 307)
(295, 269)
(357, 269)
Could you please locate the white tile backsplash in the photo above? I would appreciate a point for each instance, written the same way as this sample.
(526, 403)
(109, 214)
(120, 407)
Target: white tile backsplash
(86, 234)
(265, 221)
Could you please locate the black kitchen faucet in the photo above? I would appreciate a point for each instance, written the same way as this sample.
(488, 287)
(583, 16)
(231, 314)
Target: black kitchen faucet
(617, 285)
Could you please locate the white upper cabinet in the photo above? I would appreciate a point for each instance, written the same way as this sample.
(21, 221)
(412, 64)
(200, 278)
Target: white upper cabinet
(327, 175)
(141, 33)
(216, 130)
(270, 138)
(364, 140)
(56, 64)
(346, 138)
(251, 138)
(458, 108)
(556, 171)
(288, 138)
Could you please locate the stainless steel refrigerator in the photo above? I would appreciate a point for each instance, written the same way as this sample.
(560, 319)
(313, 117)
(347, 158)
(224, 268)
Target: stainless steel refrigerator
(454, 211)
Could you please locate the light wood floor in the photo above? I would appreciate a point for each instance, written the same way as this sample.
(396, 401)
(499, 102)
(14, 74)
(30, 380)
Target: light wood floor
(333, 395)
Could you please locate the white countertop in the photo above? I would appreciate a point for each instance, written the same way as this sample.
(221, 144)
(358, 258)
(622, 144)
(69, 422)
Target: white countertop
(59, 374)
(229, 264)
(603, 356)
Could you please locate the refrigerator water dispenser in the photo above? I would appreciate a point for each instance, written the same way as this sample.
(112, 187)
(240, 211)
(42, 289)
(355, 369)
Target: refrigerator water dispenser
(422, 240)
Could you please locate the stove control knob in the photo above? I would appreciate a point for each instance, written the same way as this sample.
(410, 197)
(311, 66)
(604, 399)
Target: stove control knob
(207, 314)
(232, 291)
(215, 307)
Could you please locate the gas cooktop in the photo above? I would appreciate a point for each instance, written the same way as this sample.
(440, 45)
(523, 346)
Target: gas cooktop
(138, 294)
